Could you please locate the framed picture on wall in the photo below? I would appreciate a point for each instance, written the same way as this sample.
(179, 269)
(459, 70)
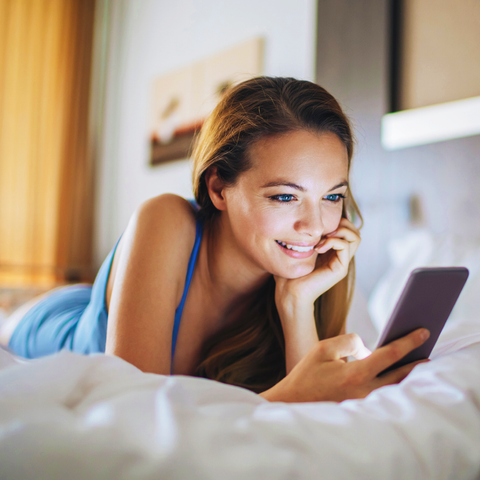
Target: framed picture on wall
(184, 98)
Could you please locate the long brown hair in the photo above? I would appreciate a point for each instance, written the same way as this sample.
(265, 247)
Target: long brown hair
(251, 352)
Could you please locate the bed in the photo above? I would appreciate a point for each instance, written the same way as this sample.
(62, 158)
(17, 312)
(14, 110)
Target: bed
(68, 416)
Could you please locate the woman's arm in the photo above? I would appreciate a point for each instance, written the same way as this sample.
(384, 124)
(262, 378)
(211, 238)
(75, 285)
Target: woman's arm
(148, 282)
(295, 298)
(299, 331)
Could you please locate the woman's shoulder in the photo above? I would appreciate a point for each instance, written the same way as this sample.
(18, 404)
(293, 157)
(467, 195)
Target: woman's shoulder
(157, 241)
(169, 212)
(167, 201)
(169, 219)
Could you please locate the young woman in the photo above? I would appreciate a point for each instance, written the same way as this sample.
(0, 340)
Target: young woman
(250, 283)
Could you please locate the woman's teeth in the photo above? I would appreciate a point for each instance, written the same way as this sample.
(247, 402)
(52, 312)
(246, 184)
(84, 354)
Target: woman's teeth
(294, 247)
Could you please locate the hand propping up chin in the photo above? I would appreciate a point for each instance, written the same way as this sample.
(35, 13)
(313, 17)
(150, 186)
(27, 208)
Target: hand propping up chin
(335, 251)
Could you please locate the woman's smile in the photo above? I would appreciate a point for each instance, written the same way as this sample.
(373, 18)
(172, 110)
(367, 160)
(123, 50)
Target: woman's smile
(295, 251)
(300, 247)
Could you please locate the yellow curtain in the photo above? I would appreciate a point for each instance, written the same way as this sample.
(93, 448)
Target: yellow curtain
(45, 167)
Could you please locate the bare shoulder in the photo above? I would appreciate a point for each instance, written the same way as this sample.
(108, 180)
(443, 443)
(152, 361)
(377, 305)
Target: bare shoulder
(161, 230)
(167, 215)
(167, 223)
(168, 202)
(147, 281)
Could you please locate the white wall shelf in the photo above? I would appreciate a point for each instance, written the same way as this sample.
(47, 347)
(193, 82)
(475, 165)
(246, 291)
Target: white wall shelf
(435, 123)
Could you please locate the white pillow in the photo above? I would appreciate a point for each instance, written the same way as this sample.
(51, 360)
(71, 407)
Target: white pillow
(420, 248)
(359, 321)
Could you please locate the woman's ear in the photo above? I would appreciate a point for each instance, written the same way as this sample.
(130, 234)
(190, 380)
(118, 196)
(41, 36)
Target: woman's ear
(215, 188)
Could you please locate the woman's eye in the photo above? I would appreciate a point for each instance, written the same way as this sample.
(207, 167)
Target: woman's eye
(335, 197)
(284, 198)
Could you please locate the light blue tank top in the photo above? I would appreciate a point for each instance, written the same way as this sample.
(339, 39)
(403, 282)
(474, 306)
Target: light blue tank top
(75, 317)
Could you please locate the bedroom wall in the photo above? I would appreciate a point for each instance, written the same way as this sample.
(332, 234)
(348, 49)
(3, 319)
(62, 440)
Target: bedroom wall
(352, 63)
(150, 37)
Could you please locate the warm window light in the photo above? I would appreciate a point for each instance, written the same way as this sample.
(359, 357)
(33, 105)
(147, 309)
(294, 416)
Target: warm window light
(436, 123)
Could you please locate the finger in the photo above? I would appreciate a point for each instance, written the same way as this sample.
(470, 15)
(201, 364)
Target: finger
(345, 233)
(336, 348)
(332, 243)
(345, 222)
(397, 375)
(332, 263)
(343, 253)
(384, 357)
(351, 237)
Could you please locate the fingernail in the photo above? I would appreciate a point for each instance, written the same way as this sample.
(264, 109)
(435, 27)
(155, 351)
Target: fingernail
(424, 334)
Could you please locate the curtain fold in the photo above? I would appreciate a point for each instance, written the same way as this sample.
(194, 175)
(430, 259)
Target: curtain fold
(46, 205)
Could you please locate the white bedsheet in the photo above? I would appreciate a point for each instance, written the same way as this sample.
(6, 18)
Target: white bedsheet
(73, 417)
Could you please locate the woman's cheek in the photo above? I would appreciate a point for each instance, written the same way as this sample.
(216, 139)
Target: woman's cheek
(332, 218)
(271, 225)
(267, 221)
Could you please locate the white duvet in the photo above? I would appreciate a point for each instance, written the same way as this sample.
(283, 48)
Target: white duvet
(73, 417)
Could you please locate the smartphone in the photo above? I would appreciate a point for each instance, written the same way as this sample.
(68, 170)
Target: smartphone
(426, 301)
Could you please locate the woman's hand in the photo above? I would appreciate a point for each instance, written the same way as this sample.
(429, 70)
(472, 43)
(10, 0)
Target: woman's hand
(324, 375)
(334, 254)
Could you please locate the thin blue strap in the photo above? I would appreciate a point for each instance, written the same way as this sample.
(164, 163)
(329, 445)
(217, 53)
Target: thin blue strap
(191, 266)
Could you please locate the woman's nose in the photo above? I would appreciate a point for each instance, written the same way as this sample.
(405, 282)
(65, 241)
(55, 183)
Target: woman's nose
(310, 223)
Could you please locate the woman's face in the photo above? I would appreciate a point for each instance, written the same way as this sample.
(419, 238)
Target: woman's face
(292, 195)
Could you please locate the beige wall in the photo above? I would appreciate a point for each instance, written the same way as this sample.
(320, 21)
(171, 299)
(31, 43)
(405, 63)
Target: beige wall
(440, 52)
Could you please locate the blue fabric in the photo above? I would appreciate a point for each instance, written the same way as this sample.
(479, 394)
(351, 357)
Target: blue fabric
(75, 317)
(190, 268)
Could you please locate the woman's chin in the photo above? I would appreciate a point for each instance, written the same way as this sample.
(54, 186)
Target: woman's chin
(295, 271)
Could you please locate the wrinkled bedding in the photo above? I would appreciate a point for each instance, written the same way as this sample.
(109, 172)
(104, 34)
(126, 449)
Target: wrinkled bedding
(98, 417)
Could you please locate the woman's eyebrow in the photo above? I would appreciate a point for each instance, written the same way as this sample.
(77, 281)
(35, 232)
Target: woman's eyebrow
(343, 184)
(284, 183)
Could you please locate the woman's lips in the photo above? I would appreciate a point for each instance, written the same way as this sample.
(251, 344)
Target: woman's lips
(300, 244)
(295, 254)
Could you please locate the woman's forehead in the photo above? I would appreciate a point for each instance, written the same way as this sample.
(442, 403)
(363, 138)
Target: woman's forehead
(299, 154)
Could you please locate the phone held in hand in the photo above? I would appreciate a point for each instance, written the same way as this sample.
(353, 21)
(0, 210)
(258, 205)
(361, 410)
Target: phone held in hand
(426, 302)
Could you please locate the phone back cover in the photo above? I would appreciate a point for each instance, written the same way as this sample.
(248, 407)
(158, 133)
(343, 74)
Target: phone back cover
(426, 301)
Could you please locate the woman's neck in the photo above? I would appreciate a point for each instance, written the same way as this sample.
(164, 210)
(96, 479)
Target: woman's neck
(228, 277)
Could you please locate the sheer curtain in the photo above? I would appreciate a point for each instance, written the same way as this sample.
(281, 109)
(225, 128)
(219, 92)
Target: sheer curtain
(46, 203)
